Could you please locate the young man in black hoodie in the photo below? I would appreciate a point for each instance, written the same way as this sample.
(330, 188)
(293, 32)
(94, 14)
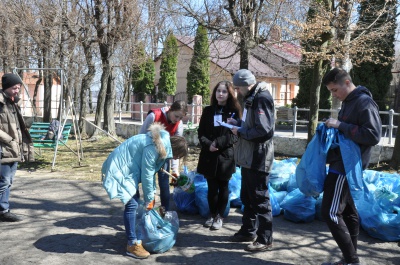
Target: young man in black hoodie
(359, 121)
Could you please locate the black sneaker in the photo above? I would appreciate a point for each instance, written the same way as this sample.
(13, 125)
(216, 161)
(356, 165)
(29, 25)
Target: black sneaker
(241, 238)
(257, 246)
(9, 217)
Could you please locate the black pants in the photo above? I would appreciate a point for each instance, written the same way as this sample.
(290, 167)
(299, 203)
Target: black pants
(340, 213)
(218, 196)
(257, 214)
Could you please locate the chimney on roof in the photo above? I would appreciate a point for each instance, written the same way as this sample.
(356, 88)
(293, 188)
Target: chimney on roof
(275, 33)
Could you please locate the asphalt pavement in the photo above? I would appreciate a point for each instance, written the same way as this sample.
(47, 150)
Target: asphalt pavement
(74, 222)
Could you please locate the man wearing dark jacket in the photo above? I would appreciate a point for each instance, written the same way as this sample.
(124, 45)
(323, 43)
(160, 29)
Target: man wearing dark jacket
(15, 141)
(359, 121)
(254, 153)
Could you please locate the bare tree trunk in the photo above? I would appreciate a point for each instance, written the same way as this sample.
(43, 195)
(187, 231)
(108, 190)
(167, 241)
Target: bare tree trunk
(101, 97)
(109, 123)
(318, 71)
(85, 87)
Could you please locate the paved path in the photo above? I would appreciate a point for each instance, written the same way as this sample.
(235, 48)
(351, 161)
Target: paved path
(74, 222)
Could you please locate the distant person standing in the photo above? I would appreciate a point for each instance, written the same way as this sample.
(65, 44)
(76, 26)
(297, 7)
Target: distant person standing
(216, 161)
(359, 121)
(16, 142)
(171, 118)
(254, 153)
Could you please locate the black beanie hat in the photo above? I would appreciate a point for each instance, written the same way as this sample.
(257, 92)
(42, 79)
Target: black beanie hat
(10, 80)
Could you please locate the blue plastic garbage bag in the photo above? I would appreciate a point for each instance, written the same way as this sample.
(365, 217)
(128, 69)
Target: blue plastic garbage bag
(276, 208)
(298, 207)
(281, 172)
(158, 234)
(311, 171)
(377, 222)
(379, 208)
(351, 154)
(234, 188)
(185, 202)
(201, 192)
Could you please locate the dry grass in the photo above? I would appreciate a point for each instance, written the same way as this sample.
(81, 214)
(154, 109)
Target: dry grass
(89, 168)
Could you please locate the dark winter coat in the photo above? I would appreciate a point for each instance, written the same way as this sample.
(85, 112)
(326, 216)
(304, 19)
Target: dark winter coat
(16, 142)
(255, 147)
(360, 122)
(220, 164)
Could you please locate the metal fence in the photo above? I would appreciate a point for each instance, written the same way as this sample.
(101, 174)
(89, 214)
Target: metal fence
(293, 117)
(289, 116)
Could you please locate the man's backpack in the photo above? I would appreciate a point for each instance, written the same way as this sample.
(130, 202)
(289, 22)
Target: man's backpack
(53, 130)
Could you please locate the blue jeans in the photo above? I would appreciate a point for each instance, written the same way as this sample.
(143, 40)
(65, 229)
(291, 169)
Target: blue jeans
(6, 179)
(163, 183)
(130, 219)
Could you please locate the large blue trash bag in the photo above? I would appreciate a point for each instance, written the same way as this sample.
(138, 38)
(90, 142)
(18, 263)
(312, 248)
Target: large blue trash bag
(234, 188)
(281, 172)
(311, 171)
(280, 195)
(201, 192)
(158, 234)
(350, 152)
(276, 208)
(292, 184)
(379, 208)
(185, 202)
(298, 207)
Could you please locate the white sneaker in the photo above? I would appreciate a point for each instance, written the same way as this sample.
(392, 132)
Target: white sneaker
(209, 222)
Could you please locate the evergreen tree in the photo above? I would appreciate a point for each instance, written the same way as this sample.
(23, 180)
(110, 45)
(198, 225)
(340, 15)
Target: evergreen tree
(198, 77)
(302, 99)
(143, 76)
(168, 68)
(375, 74)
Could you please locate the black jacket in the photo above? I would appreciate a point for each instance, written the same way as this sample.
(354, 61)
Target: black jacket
(360, 122)
(220, 164)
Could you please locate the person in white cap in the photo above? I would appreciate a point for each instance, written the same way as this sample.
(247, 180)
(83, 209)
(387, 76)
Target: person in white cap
(16, 142)
(254, 153)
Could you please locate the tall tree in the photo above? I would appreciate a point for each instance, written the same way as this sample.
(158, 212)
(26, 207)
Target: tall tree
(168, 68)
(376, 73)
(316, 41)
(143, 75)
(198, 77)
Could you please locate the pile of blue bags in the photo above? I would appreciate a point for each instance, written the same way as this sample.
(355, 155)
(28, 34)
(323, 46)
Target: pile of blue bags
(378, 206)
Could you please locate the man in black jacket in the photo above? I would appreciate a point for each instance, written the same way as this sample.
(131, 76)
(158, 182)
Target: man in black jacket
(15, 141)
(359, 121)
(254, 153)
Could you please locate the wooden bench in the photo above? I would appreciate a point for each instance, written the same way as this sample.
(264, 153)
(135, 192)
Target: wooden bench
(38, 132)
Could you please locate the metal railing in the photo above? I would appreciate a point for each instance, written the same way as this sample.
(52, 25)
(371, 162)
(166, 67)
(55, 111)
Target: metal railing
(290, 116)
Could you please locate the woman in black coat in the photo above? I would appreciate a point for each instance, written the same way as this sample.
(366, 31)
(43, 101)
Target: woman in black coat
(216, 161)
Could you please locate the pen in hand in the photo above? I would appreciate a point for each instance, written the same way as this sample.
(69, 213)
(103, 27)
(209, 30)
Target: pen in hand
(233, 114)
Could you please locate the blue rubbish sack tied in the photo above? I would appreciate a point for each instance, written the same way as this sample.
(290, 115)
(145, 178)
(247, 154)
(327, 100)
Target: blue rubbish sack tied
(379, 208)
(158, 234)
(298, 207)
(282, 172)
